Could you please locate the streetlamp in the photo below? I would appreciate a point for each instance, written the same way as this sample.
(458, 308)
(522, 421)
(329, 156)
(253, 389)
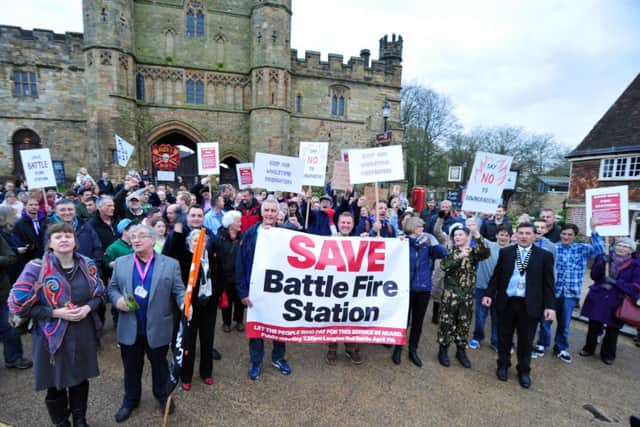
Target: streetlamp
(386, 111)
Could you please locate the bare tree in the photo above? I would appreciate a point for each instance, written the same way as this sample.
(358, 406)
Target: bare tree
(428, 120)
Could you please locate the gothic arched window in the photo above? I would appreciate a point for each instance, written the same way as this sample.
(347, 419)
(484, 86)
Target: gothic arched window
(140, 87)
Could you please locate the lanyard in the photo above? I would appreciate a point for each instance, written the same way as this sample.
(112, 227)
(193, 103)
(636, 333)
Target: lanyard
(142, 274)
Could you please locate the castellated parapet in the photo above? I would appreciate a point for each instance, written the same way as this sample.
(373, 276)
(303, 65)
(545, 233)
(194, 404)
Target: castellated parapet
(387, 70)
(17, 44)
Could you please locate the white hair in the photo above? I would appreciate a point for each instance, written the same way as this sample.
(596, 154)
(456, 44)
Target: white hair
(229, 217)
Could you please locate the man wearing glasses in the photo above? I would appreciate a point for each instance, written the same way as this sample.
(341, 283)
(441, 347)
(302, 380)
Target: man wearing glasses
(143, 287)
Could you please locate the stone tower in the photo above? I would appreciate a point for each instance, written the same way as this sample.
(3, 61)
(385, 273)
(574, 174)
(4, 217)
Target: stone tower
(109, 78)
(270, 77)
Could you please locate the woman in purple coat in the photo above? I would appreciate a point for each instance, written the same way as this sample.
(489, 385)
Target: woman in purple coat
(606, 295)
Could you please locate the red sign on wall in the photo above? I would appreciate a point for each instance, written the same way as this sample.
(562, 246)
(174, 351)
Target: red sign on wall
(165, 157)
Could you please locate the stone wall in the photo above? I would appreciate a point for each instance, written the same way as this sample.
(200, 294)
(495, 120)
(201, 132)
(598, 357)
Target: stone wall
(57, 113)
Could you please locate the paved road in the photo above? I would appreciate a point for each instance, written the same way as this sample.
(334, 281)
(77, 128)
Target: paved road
(376, 393)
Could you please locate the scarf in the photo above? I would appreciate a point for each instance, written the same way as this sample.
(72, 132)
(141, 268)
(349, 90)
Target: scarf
(54, 293)
(618, 263)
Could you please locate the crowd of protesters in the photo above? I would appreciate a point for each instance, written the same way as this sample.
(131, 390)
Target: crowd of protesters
(67, 257)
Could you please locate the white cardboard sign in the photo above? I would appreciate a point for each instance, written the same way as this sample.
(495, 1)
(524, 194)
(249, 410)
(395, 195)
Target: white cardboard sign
(488, 178)
(38, 168)
(208, 158)
(244, 171)
(278, 173)
(610, 207)
(314, 156)
(380, 164)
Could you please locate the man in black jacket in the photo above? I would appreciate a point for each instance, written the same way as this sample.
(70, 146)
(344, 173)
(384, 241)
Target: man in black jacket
(523, 290)
(489, 227)
(31, 229)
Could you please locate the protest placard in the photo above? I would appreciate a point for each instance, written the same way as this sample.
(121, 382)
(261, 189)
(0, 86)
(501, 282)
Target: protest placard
(488, 178)
(370, 195)
(244, 171)
(208, 158)
(610, 208)
(314, 156)
(166, 176)
(278, 173)
(344, 154)
(380, 164)
(317, 289)
(123, 151)
(38, 168)
(340, 179)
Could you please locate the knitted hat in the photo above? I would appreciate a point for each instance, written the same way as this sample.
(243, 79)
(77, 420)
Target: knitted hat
(627, 241)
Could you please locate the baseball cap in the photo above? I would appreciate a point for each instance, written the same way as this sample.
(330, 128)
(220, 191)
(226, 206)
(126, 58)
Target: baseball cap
(124, 224)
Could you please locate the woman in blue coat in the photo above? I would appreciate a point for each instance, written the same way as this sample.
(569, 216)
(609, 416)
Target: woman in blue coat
(423, 249)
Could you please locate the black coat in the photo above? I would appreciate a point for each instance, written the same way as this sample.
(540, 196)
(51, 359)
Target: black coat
(27, 234)
(540, 285)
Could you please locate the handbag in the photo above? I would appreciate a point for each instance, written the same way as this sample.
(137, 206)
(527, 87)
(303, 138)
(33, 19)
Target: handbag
(24, 324)
(629, 312)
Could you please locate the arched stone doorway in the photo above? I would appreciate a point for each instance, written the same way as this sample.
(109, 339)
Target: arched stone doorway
(23, 139)
(228, 175)
(183, 136)
(188, 167)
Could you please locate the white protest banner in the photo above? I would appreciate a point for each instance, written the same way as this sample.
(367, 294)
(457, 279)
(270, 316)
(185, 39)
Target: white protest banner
(38, 168)
(168, 176)
(318, 289)
(340, 179)
(208, 158)
(245, 175)
(488, 178)
(314, 156)
(610, 208)
(123, 151)
(277, 173)
(380, 164)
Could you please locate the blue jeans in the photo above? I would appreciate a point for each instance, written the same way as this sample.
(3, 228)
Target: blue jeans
(564, 309)
(481, 319)
(12, 345)
(256, 351)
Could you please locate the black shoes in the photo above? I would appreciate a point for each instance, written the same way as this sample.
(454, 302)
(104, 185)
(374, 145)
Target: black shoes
(525, 380)
(413, 356)
(123, 413)
(585, 353)
(397, 354)
(634, 421)
(501, 373)
(461, 355)
(443, 356)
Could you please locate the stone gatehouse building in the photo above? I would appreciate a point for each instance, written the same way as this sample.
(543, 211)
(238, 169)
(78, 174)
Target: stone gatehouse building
(184, 71)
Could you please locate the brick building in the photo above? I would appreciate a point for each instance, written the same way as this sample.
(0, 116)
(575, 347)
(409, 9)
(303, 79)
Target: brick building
(184, 71)
(609, 156)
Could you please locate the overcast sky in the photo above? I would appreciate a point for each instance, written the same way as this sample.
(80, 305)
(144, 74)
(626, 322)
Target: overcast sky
(550, 66)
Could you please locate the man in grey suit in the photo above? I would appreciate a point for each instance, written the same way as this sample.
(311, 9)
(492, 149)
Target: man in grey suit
(143, 287)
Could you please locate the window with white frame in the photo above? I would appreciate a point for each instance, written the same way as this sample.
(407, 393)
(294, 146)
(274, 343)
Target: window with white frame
(617, 168)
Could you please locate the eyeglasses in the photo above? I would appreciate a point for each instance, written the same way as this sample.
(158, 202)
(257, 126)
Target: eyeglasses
(139, 237)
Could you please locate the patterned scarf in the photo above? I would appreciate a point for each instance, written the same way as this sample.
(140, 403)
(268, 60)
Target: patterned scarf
(55, 293)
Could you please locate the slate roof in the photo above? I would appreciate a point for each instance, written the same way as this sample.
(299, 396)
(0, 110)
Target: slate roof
(618, 131)
(554, 180)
